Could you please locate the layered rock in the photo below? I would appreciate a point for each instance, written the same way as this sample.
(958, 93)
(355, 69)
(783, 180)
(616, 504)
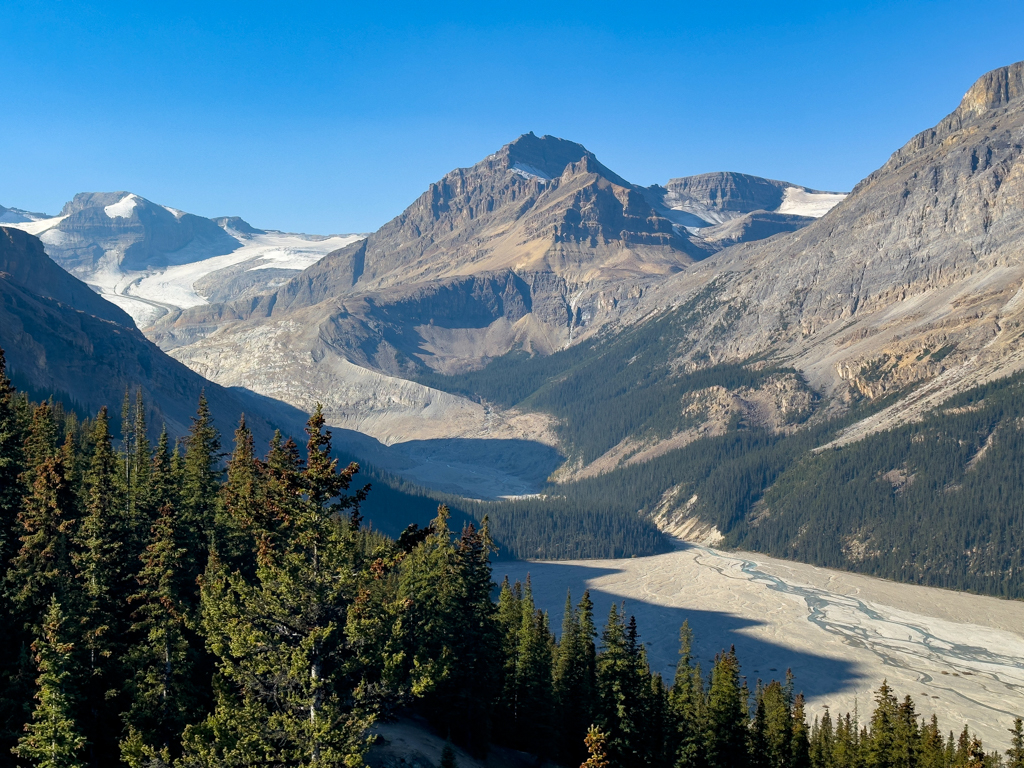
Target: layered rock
(916, 277)
(59, 336)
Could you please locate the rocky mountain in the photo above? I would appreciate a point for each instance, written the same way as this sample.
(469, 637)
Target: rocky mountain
(149, 259)
(59, 336)
(914, 280)
(528, 249)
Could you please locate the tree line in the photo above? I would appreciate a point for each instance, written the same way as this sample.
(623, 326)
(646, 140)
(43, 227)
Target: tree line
(164, 607)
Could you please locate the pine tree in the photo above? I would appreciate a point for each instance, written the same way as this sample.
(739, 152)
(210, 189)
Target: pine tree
(53, 739)
(12, 438)
(1015, 754)
(292, 692)
(164, 692)
(200, 481)
(726, 735)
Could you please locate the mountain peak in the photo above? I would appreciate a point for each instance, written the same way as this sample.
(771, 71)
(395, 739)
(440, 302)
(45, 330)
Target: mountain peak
(85, 200)
(547, 157)
(995, 89)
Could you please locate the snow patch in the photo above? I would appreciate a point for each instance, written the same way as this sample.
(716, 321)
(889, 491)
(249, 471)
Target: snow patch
(529, 172)
(147, 295)
(800, 202)
(35, 227)
(177, 214)
(122, 209)
(54, 237)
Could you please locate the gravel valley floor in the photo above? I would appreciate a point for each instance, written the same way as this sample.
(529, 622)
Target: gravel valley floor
(958, 655)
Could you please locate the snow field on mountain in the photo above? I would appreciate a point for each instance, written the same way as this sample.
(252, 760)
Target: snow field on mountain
(800, 202)
(173, 287)
(123, 208)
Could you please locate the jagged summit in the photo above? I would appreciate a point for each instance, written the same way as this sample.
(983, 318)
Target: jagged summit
(998, 88)
(548, 156)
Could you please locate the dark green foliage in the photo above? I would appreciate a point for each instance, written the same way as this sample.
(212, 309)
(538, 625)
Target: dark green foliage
(939, 502)
(575, 679)
(200, 480)
(305, 625)
(725, 744)
(53, 739)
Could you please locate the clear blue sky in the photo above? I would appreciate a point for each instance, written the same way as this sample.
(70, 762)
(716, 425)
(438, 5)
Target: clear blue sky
(333, 117)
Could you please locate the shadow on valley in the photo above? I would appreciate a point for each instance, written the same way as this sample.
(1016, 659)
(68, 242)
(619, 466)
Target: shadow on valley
(815, 675)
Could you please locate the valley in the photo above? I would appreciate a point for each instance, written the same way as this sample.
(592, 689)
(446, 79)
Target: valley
(960, 656)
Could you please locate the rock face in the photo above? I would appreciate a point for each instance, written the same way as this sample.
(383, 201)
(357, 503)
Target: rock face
(709, 199)
(915, 277)
(532, 247)
(523, 249)
(59, 336)
(24, 263)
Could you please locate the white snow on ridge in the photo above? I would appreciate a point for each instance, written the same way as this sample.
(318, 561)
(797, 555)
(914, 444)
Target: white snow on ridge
(529, 172)
(121, 209)
(146, 295)
(37, 227)
(177, 214)
(800, 202)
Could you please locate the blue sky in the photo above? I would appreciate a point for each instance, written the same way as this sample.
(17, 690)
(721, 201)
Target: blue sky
(334, 117)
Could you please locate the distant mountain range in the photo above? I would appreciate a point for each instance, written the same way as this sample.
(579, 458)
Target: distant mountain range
(536, 326)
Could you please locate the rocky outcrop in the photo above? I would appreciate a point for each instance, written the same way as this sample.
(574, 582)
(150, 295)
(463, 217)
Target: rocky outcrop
(915, 277)
(24, 264)
(59, 336)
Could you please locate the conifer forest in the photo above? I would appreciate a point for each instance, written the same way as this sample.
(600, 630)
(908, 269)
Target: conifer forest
(176, 604)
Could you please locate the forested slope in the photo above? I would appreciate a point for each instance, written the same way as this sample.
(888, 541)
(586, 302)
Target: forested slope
(159, 611)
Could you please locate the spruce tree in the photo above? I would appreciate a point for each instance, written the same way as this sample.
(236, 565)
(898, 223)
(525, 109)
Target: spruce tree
(800, 745)
(200, 481)
(42, 571)
(726, 735)
(165, 692)
(241, 499)
(103, 570)
(164, 480)
(1015, 754)
(687, 705)
(575, 679)
(292, 691)
(53, 738)
(621, 691)
(448, 757)
(12, 438)
(778, 726)
(882, 746)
